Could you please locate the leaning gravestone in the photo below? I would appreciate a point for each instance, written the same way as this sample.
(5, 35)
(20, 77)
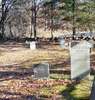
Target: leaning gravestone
(41, 71)
(80, 59)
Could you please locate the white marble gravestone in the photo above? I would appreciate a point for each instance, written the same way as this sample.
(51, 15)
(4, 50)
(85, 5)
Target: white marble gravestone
(62, 43)
(80, 59)
(33, 45)
(41, 71)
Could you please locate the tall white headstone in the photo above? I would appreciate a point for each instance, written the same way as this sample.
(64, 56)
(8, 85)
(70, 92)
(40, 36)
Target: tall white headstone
(80, 59)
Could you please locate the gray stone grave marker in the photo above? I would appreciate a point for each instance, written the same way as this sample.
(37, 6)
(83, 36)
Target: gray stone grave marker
(80, 59)
(41, 71)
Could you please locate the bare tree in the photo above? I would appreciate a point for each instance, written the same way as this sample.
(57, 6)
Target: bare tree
(5, 7)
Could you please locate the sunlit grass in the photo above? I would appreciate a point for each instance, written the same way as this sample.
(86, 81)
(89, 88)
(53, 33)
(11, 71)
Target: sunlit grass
(26, 58)
(50, 91)
(82, 91)
(59, 76)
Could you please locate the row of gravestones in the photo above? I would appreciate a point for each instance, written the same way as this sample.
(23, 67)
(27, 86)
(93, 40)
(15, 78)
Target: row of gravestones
(62, 43)
(80, 61)
(33, 44)
(80, 64)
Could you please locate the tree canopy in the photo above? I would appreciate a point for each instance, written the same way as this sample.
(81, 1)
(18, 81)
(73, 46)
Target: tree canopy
(27, 16)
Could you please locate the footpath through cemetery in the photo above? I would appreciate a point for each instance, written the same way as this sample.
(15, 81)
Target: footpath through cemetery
(47, 49)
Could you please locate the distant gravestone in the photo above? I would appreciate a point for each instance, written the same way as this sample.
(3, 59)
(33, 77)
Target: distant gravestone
(80, 59)
(92, 42)
(41, 70)
(62, 43)
(33, 45)
(27, 44)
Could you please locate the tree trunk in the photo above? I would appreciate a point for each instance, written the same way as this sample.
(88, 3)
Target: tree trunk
(90, 28)
(52, 9)
(74, 20)
(2, 22)
(10, 27)
(33, 20)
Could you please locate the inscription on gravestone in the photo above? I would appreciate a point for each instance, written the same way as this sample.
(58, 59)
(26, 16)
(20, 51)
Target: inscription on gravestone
(41, 70)
(80, 60)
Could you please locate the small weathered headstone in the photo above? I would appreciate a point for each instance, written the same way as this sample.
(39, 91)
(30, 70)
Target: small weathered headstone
(93, 43)
(62, 43)
(80, 59)
(33, 45)
(41, 70)
(27, 44)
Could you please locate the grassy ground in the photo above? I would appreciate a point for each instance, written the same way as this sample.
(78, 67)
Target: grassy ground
(17, 84)
(25, 56)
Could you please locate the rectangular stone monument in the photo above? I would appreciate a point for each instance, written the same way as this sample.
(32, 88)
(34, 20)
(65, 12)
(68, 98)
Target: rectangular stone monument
(41, 71)
(80, 59)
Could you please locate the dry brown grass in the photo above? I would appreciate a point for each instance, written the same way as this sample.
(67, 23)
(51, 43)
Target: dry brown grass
(11, 85)
(27, 57)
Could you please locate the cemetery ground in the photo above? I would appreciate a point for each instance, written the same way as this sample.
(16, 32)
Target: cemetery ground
(16, 81)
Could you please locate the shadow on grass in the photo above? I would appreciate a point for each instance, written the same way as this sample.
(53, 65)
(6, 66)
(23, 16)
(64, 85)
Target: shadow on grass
(16, 96)
(92, 96)
(7, 75)
(70, 88)
(66, 93)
